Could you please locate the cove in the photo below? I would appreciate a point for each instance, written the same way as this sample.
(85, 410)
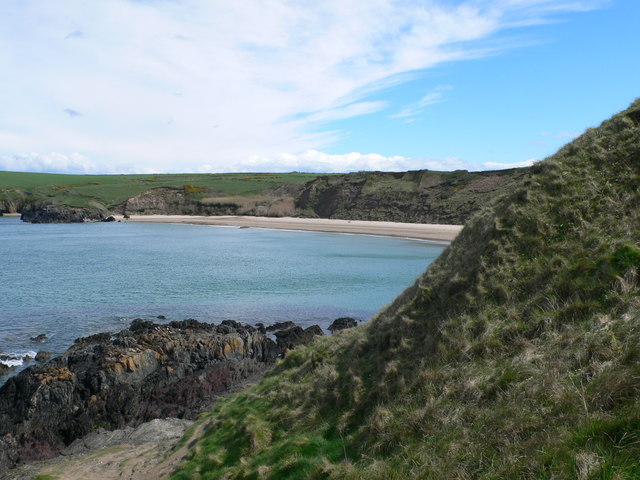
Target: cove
(71, 280)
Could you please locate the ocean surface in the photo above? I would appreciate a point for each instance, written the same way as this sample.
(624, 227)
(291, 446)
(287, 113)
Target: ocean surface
(72, 280)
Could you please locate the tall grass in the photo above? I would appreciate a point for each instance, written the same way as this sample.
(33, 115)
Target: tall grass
(516, 355)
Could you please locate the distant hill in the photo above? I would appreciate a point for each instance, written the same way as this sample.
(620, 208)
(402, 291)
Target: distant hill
(421, 196)
(516, 355)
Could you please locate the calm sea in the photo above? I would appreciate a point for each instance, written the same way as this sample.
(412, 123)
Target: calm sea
(72, 280)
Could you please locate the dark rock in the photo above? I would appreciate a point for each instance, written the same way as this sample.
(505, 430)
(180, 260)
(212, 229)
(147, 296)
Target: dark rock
(4, 368)
(53, 212)
(43, 356)
(39, 338)
(97, 338)
(110, 218)
(9, 449)
(294, 336)
(343, 323)
(161, 317)
(280, 326)
(114, 380)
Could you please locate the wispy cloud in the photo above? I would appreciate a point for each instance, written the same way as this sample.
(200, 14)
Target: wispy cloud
(74, 34)
(437, 95)
(72, 113)
(269, 75)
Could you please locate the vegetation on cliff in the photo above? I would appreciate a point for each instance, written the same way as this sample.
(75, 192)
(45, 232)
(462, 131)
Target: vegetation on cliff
(420, 196)
(516, 355)
(112, 192)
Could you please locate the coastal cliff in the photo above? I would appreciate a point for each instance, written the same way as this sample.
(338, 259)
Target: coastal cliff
(420, 196)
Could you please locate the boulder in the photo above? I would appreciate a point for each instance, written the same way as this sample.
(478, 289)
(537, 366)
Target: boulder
(292, 337)
(43, 356)
(39, 338)
(342, 323)
(4, 369)
(280, 326)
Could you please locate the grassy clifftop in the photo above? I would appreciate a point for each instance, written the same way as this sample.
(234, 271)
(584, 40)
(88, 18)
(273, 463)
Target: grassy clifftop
(419, 196)
(516, 355)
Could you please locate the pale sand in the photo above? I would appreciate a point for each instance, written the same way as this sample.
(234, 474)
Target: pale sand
(443, 233)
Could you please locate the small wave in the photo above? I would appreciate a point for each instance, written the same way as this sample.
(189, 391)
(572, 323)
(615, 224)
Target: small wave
(13, 359)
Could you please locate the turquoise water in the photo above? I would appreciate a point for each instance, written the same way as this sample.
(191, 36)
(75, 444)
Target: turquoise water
(71, 280)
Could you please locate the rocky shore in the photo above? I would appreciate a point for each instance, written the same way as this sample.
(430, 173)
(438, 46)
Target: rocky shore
(114, 381)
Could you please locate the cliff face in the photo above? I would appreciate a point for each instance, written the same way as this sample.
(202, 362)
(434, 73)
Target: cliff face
(416, 197)
(53, 212)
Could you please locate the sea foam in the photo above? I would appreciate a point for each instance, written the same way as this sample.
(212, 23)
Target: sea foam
(13, 359)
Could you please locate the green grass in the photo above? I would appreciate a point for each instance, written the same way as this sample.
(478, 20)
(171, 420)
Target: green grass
(112, 190)
(516, 355)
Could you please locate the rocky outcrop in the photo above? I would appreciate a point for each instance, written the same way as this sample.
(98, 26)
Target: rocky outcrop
(4, 368)
(43, 356)
(294, 336)
(112, 381)
(342, 323)
(421, 196)
(162, 201)
(53, 212)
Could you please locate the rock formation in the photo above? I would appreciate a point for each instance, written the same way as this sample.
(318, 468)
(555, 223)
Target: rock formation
(52, 212)
(116, 380)
(342, 323)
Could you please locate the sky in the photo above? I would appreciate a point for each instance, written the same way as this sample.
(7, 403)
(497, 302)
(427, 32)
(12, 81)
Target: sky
(161, 86)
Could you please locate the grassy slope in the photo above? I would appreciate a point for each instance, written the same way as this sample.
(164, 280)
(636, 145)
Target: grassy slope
(111, 190)
(516, 355)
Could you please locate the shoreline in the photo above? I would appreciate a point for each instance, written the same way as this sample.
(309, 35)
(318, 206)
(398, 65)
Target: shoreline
(416, 231)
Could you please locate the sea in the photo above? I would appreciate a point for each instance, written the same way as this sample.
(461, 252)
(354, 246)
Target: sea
(72, 280)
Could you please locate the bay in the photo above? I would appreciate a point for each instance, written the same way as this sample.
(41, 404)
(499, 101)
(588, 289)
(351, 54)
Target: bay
(71, 280)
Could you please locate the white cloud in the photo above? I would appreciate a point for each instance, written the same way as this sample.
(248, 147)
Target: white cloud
(173, 85)
(52, 162)
(316, 161)
(502, 166)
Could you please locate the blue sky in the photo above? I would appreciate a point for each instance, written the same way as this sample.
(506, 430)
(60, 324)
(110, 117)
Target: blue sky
(272, 85)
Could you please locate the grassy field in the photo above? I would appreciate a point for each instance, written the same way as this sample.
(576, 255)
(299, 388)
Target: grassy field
(516, 355)
(111, 190)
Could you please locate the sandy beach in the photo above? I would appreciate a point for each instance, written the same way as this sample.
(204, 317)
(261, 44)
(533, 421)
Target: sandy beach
(442, 233)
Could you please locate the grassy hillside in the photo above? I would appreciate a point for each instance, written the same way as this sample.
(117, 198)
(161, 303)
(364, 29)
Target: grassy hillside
(516, 355)
(113, 190)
